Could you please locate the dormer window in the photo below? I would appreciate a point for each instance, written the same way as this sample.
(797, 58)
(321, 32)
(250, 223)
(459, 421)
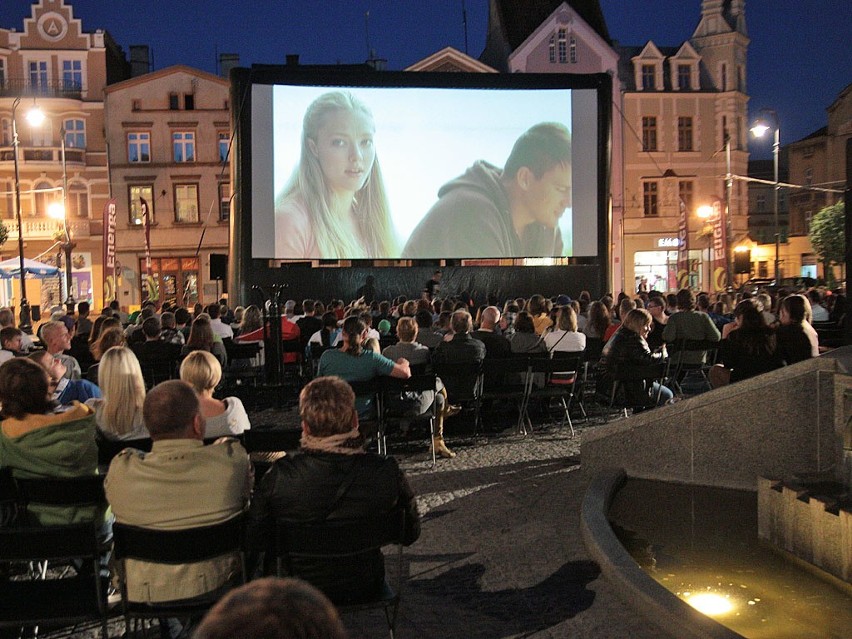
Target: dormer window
(684, 77)
(649, 73)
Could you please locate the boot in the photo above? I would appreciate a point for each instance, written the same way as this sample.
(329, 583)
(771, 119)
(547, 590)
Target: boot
(441, 448)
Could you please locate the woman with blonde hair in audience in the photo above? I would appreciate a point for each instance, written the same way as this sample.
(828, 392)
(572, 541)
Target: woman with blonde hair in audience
(201, 338)
(119, 412)
(201, 370)
(797, 339)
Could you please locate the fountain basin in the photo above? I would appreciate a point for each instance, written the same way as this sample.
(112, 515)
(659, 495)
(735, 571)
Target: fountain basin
(695, 540)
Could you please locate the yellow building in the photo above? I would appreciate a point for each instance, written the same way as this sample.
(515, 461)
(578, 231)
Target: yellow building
(53, 64)
(169, 135)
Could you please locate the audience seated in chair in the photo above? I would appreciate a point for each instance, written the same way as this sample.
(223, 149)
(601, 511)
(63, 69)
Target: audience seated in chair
(57, 340)
(797, 339)
(272, 608)
(626, 357)
(354, 363)
(180, 484)
(37, 442)
(64, 391)
(119, 412)
(418, 356)
(749, 350)
(332, 477)
(223, 417)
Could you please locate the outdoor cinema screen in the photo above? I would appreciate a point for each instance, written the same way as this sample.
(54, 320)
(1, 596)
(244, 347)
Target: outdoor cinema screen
(426, 167)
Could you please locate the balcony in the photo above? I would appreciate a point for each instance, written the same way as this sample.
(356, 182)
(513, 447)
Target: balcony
(43, 155)
(21, 87)
(46, 229)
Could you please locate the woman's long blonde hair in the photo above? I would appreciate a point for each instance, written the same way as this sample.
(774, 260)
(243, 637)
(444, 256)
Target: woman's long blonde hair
(370, 205)
(123, 388)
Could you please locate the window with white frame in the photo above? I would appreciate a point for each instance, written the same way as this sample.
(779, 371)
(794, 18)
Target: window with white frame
(5, 132)
(135, 194)
(72, 75)
(649, 199)
(562, 45)
(2, 73)
(809, 176)
(649, 77)
(224, 142)
(138, 146)
(38, 74)
(7, 210)
(186, 203)
(183, 146)
(43, 196)
(78, 200)
(572, 50)
(41, 135)
(684, 133)
(649, 133)
(75, 134)
(551, 49)
(224, 201)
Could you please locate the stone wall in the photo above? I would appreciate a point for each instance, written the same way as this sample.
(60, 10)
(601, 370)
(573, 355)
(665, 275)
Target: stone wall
(785, 422)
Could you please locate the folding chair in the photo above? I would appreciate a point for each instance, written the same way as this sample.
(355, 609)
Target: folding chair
(245, 363)
(371, 391)
(69, 598)
(268, 440)
(393, 389)
(562, 381)
(463, 382)
(511, 385)
(107, 448)
(187, 546)
(677, 369)
(300, 546)
(62, 596)
(645, 375)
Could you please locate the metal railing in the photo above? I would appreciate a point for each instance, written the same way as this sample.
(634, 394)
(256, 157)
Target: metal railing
(22, 87)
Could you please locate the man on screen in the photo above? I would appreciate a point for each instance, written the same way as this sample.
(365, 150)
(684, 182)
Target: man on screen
(492, 213)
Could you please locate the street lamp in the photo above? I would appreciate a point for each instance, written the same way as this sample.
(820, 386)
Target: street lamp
(35, 117)
(758, 129)
(62, 214)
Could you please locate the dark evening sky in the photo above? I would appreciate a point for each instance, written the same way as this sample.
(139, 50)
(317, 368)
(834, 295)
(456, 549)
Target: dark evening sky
(799, 58)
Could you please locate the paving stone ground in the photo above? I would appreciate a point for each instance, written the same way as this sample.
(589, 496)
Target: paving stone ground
(500, 555)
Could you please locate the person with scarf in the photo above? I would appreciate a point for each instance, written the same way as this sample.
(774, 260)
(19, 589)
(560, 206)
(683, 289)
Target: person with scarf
(332, 477)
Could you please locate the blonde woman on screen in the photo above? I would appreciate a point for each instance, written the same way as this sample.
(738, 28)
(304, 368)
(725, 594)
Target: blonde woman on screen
(334, 205)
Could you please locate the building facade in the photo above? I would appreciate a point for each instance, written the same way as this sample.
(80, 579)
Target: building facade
(169, 139)
(818, 166)
(681, 105)
(53, 64)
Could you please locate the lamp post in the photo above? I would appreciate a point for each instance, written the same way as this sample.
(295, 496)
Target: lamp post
(760, 127)
(35, 118)
(67, 246)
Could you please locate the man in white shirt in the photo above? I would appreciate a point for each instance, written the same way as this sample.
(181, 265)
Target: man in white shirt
(219, 328)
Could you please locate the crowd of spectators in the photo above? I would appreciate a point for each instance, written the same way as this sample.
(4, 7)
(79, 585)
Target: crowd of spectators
(86, 379)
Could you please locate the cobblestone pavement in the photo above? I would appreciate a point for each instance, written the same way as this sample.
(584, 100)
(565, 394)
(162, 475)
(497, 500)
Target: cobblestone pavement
(500, 555)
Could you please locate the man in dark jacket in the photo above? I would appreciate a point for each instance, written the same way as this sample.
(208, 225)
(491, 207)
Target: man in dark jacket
(513, 212)
(333, 478)
(462, 348)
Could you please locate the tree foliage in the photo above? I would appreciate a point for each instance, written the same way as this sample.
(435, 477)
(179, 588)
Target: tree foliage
(828, 234)
(4, 233)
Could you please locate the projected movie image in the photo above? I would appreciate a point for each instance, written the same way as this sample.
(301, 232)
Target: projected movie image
(420, 173)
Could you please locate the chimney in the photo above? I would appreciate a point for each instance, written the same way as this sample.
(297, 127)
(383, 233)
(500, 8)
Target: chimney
(228, 61)
(140, 60)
